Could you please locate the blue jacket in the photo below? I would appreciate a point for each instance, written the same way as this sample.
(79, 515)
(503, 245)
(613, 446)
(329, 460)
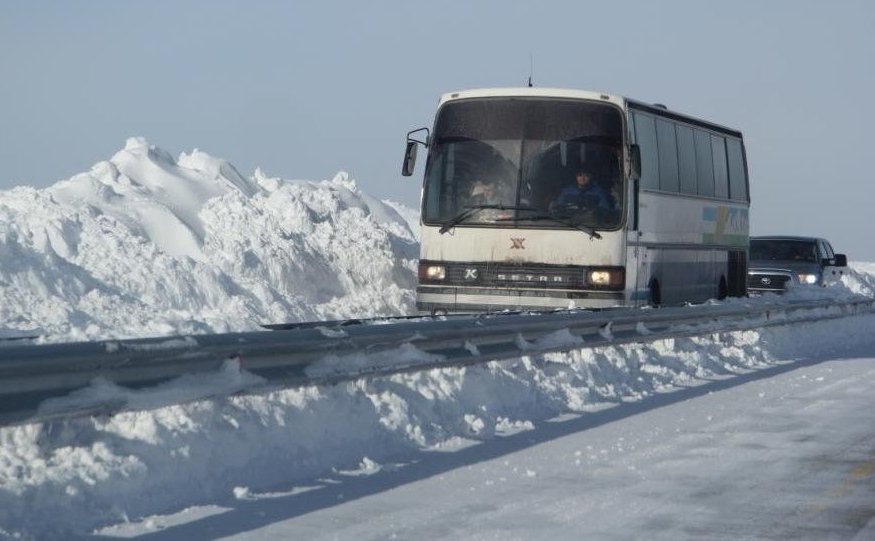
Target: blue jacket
(576, 195)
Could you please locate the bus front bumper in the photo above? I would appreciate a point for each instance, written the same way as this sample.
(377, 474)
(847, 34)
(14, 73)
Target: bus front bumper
(432, 299)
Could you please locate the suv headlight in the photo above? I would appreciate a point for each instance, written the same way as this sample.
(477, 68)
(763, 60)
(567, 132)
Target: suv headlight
(807, 278)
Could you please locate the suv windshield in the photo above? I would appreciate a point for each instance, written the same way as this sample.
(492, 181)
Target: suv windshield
(783, 250)
(525, 161)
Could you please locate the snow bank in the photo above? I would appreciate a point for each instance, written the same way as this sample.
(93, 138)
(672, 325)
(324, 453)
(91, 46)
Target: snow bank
(143, 244)
(860, 278)
(73, 477)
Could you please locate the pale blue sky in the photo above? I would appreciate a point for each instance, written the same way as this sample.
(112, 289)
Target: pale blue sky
(304, 89)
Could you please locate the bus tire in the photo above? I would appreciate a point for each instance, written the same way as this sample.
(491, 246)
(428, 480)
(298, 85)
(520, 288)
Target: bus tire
(722, 289)
(655, 293)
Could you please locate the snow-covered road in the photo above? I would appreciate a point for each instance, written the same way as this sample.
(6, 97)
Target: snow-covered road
(781, 452)
(785, 453)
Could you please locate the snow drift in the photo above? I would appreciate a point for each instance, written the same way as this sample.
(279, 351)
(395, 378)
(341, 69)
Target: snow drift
(144, 244)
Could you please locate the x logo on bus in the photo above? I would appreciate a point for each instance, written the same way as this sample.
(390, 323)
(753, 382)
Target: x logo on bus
(517, 244)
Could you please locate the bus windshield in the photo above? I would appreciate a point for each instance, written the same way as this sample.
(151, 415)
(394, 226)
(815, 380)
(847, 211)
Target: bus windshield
(511, 162)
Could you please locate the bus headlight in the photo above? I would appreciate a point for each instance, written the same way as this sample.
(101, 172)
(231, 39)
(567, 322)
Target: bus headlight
(432, 272)
(807, 278)
(611, 277)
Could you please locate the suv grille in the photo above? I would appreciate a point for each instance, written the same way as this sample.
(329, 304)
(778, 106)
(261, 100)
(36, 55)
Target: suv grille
(770, 282)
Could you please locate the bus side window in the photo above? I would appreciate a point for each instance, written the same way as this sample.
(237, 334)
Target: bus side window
(737, 180)
(645, 136)
(721, 174)
(686, 159)
(704, 164)
(668, 156)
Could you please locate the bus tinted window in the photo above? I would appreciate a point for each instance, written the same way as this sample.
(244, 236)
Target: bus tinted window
(668, 155)
(721, 175)
(704, 164)
(737, 181)
(686, 159)
(645, 135)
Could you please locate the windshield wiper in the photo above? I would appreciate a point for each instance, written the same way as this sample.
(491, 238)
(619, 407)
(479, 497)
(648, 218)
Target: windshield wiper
(470, 211)
(551, 217)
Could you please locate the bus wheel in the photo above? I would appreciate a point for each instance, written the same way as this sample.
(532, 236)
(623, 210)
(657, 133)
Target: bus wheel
(655, 294)
(722, 290)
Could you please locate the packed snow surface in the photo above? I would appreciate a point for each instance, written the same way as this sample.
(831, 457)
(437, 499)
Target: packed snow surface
(145, 244)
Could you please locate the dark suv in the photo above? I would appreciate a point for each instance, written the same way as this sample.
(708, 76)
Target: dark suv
(777, 263)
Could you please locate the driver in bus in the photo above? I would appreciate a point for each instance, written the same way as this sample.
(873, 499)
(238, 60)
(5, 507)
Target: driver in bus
(584, 193)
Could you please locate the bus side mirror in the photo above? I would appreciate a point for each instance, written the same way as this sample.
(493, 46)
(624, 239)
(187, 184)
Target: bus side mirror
(841, 260)
(634, 161)
(409, 159)
(410, 152)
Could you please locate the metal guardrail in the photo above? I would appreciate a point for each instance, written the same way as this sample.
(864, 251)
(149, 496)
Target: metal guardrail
(34, 379)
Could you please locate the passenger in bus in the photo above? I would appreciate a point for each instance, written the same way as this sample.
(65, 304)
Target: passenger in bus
(488, 193)
(584, 193)
(484, 192)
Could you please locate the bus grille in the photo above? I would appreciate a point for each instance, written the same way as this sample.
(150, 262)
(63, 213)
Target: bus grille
(504, 275)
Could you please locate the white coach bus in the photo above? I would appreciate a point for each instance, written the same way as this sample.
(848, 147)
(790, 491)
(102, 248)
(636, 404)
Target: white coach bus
(539, 198)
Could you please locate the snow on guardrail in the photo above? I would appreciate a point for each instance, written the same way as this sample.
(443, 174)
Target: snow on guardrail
(69, 380)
